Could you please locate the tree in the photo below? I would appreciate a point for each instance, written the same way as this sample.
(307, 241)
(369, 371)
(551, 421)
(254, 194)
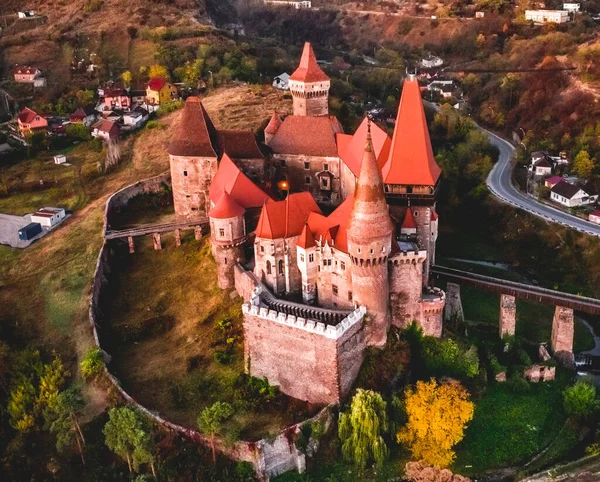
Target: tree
(580, 400)
(126, 77)
(158, 71)
(361, 430)
(211, 421)
(126, 435)
(583, 165)
(62, 420)
(437, 415)
(78, 131)
(92, 364)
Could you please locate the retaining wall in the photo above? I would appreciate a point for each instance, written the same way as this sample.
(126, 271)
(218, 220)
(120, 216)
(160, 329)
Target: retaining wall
(268, 457)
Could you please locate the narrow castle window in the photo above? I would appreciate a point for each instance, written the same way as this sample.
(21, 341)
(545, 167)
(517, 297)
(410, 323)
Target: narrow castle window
(222, 232)
(282, 163)
(311, 258)
(325, 167)
(307, 165)
(185, 173)
(334, 289)
(268, 267)
(307, 180)
(302, 258)
(280, 266)
(349, 295)
(262, 248)
(343, 265)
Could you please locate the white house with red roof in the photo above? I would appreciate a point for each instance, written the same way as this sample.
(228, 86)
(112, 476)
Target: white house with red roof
(26, 74)
(30, 121)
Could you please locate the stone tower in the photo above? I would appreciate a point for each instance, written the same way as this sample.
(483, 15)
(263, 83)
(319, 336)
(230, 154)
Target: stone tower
(193, 160)
(272, 127)
(227, 235)
(412, 175)
(309, 86)
(370, 233)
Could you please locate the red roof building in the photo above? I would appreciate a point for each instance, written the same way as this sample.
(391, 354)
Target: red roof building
(226, 208)
(284, 219)
(309, 71)
(311, 136)
(351, 147)
(411, 161)
(196, 136)
(156, 84)
(30, 121)
(274, 124)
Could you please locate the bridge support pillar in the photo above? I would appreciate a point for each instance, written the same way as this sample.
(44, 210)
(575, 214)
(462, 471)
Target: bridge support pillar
(453, 311)
(131, 244)
(177, 238)
(198, 233)
(157, 241)
(508, 315)
(563, 330)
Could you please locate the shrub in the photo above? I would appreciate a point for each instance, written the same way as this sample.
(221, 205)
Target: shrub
(445, 357)
(154, 124)
(580, 400)
(92, 364)
(254, 392)
(517, 384)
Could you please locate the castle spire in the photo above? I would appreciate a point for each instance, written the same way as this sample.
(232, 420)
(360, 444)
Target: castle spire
(309, 86)
(309, 70)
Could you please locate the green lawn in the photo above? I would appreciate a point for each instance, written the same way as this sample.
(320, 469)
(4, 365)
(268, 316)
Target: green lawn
(509, 429)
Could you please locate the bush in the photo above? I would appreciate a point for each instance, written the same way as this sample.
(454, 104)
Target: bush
(254, 392)
(154, 124)
(580, 400)
(517, 384)
(446, 358)
(92, 365)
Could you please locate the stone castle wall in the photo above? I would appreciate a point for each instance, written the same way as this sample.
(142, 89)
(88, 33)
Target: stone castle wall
(281, 256)
(307, 359)
(406, 274)
(334, 282)
(191, 178)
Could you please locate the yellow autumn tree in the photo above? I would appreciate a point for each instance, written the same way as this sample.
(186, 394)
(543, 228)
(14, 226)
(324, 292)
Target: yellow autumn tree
(158, 71)
(437, 416)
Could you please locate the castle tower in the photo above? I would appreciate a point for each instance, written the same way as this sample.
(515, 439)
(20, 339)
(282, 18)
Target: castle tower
(370, 233)
(193, 160)
(309, 86)
(227, 235)
(411, 175)
(272, 127)
(307, 264)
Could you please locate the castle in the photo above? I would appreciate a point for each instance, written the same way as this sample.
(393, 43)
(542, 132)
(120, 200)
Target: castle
(328, 236)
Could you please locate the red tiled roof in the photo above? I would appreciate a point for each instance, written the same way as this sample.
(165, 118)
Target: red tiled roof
(554, 180)
(434, 215)
(312, 136)
(306, 239)
(273, 124)
(105, 125)
(309, 70)
(226, 208)
(411, 160)
(230, 179)
(409, 220)
(25, 70)
(79, 114)
(238, 144)
(156, 84)
(351, 148)
(197, 135)
(27, 116)
(334, 226)
(283, 219)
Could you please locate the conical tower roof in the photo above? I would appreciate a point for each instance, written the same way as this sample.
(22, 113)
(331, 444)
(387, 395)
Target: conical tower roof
(411, 160)
(306, 239)
(309, 70)
(196, 136)
(226, 208)
(370, 217)
(274, 124)
(409, 225)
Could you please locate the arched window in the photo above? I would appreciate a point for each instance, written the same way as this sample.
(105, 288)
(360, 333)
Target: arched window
(268, 267)
(280, 266)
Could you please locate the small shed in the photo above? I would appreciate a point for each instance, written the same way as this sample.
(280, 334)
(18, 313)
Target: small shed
(48, 217)
(60, 159)
(30, 231)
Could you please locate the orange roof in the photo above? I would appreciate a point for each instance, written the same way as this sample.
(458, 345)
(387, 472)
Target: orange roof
(311, 136)
(226, 208)
(156, 84)
(231, 180)
(197, 135)
(409, 220)
(333, 227)
(27, 116)
(306, 239)
(309, 70)
(351, 148)
(411, 160)
(273, 124)
(284, 219)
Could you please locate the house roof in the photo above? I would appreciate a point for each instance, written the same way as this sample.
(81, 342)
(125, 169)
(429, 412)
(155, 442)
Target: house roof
(196, 136)
(566, 189)
(543, 162)
(273, 124)
(411, 160)
(333, 227)
(284, 219)
(306, 239)
(156, 83)
(230, 179)
(105, 125)
(595, 213)
(312, 136)
(115, 92)
(351, 148)
(285, 77)
(83, 112)
(27, 116)
(409, 220)
(25, 70)
(309, 70)
(226, 208)
(554, 180)
(238, 144)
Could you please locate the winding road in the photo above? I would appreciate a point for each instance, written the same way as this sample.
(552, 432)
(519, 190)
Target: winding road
(500, 185)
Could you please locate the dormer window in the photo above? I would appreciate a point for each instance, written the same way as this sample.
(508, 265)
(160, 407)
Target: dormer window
(222, 232)
(325, 167)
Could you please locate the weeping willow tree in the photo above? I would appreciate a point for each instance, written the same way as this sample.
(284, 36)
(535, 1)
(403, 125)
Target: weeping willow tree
(361, 429)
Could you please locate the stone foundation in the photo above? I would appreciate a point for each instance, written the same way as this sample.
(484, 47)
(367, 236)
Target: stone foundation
(453, 311)
(508, 315)
(563, 329)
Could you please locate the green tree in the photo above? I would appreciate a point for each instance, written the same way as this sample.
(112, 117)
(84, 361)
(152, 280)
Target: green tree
(361, 430)
(211, 422)
(583, 165)
(580, 400)
(126, 435)
(62, 419)
(92, 364)
(79, 131)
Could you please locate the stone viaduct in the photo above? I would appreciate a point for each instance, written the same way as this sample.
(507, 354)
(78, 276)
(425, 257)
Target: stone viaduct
(561, 341)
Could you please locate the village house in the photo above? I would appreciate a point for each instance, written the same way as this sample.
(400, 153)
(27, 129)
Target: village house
(281, 82)
(136, 118)
(84, 115)
(48, 217)
(547, 16)
(553, 181)
(572, 195)
(594, 217)
(106, 130)
(30, 121)
(572, 7)
(116, 98)
(160, 91)
(431, 62)
(26, 75)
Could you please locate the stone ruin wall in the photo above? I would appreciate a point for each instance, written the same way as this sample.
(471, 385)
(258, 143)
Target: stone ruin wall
(308, 360)
(268, 457)
(190, 193)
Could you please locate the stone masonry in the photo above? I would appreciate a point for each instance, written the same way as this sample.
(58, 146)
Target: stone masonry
(508, 315)
(562, 334)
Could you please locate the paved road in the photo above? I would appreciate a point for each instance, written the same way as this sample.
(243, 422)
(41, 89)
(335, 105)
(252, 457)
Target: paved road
(500, 185)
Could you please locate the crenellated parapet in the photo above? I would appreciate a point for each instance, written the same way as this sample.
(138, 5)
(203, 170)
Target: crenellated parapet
(408, 257)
